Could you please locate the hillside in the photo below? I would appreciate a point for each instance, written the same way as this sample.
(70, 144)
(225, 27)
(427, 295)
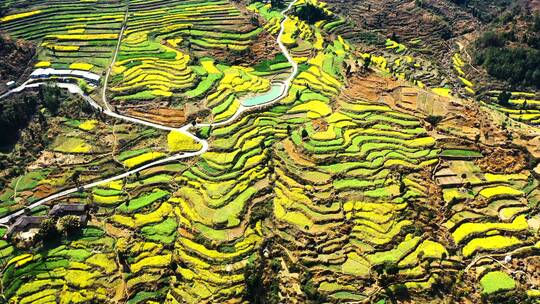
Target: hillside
(16, 56)
(216, 151)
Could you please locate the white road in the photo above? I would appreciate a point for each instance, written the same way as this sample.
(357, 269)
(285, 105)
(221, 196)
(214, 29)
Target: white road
(74, 89)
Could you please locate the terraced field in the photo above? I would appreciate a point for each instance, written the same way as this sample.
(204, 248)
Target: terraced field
(153, 60)
(77, 35)
(316, 171)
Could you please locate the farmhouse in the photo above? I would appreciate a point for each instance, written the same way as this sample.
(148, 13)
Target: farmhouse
(25, 224)
(68, 209)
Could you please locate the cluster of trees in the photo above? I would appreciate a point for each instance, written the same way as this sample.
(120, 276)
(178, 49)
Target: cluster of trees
(311, 13)
(277, 3)
(519, 65)
(51, 96)
(52, 229)
(485, 10)
(51, 232)
(261, 278)
(16, 113)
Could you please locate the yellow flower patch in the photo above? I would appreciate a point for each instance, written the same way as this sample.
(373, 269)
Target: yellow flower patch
(43, 64)
(178, 141)
(445, 92)
(466, 82)
(209, 66)
(80, 278)
(463, 231)
(123, 220)
(106, 200)
(19, 16)
(76, 31)
(81, 66)
(489, 243)
(82, 148)
(153, 261)
(116, 185)
(155, 216)
(164, 93)
(88, 125)
(174, 42)
(83, 37)
(314, 109)
(20, 260)
(104, 261)
(499, 190)
(143, 158)
(64, 48)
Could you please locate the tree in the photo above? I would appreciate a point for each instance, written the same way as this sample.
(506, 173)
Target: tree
(75, 177)
(51, 98)
(48, 230)
(504, 98)
(70, 224)
(83, 85)
(394, 37)
(434, 120)
(254, 285)
(304, 134)
(277, 3)
(310, 289)
(391, 268)
(402, 187)
(254, 21)
(510, 57)
(367, 62)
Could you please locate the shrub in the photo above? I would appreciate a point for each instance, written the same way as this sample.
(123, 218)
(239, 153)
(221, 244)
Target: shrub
(504, 98)
(260, 211)
(434, 120)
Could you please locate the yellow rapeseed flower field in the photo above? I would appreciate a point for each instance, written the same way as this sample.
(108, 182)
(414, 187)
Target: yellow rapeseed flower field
(81, 66)
(178, 141)
(19, 16)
